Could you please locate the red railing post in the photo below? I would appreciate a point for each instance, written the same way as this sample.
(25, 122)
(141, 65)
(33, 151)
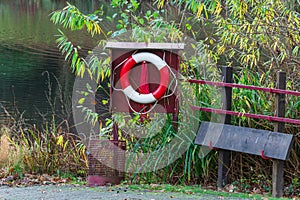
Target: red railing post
(279, 122)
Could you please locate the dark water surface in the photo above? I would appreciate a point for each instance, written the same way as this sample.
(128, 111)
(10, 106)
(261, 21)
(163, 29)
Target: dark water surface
(29, 57)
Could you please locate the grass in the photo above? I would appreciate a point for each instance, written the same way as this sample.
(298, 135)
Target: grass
(51, 150)
(195, 189)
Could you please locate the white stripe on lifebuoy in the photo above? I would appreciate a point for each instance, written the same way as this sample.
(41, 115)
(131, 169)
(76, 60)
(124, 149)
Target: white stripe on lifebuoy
(137, 97)
(149, 57)
(161, 65)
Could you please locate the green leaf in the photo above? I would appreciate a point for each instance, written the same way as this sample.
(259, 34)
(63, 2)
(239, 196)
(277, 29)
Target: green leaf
(88, 86)
(104, 102)
(188, 26)
(93, 17)
(117, 33)
(115, 15)
(148, 13)
(141, 21)
(155, 15)
(135, 4)
(119, 26)
(81, 101)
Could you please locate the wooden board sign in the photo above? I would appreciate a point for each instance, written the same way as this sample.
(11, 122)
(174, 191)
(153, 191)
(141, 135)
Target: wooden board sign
(247, 140)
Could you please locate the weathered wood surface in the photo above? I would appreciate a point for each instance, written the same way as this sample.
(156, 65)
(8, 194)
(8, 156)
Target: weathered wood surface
(278, 165)
(224, 155)
(247, 140)
(144, 45)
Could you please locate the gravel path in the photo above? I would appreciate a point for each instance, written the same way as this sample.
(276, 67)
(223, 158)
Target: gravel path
(66, 192)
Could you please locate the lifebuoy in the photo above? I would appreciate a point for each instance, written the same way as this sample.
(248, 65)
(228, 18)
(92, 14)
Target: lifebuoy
(161, 65)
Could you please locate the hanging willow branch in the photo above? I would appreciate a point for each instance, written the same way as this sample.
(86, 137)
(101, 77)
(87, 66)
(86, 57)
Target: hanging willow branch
(70, 17)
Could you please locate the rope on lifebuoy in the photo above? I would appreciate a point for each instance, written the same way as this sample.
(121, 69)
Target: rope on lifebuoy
(160, 64)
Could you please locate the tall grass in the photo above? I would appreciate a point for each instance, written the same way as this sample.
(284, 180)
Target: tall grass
(48, 151)
(10, 155)
(4, 148)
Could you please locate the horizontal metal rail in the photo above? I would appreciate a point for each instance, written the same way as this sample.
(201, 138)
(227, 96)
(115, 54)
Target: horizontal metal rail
(249, 87)
(239, 114)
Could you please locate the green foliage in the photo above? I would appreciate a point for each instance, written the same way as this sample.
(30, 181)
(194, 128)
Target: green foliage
(48, 150)
(252, 101)
(260, 34)
(70, 17)
(78, 64)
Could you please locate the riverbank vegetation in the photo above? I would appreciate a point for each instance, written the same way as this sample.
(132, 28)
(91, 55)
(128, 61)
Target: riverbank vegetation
(256, 38)
(52, 150)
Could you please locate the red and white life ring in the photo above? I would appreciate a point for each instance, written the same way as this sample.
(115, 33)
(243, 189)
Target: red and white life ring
(161, 65)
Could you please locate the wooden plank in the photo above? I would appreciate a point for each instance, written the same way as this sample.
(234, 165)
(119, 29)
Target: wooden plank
(247, 140)
(224, 155)
(278, 165)
(144, 45)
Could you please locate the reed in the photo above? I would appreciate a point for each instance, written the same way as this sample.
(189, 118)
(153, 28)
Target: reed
(4, 149)
(49, 151)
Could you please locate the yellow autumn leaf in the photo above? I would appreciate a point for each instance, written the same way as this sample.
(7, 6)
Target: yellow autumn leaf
(160, 4)
(247, 102)
(102, 75)
(66, 144)
(218, 8)
(90, 73)
(60, 140)
(81, 70)
(200, 9)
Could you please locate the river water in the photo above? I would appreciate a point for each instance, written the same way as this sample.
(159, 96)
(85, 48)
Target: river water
(34, 78)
